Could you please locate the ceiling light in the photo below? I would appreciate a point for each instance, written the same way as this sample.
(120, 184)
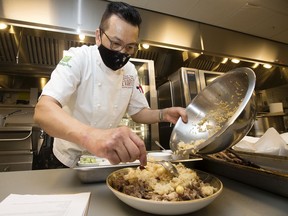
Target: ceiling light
(3, 26)
(267, 66)
(236, 61)
(255, 65)
(43, 81)
(145, 46)
(185, 56)
(81, 37)
(224, 61)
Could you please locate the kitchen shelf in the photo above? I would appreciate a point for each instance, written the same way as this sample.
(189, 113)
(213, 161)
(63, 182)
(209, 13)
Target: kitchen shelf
(14, 90)
(272, 114)
(16, 106)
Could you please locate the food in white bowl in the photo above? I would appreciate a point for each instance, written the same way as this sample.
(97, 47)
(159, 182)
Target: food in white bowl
(155, 191)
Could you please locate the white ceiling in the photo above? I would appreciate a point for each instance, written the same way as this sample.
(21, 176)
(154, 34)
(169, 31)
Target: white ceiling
(262, 18)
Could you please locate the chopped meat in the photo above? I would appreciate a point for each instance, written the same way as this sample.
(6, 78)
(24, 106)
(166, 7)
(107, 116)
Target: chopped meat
(160, 186)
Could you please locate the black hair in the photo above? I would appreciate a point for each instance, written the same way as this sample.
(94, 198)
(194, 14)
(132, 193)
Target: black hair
(122, 10)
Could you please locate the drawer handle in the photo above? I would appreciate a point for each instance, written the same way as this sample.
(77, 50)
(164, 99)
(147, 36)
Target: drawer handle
(19, 139)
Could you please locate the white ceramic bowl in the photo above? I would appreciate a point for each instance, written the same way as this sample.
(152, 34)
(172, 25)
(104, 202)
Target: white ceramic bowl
(180, 157)
(171, 207)
(159, 156)
(175, 156)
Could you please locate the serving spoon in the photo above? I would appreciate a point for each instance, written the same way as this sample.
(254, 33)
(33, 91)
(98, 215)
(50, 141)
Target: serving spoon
(169, 167)
(159, 145)
(166, 164)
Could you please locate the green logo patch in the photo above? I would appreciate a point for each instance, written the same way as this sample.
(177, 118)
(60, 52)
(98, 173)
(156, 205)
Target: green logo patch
(64, 61)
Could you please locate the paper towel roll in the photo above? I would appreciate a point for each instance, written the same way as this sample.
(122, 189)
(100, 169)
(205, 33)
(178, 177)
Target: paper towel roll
(276, 107)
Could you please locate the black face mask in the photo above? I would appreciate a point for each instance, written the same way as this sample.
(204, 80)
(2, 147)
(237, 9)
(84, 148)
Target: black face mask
(113, 59)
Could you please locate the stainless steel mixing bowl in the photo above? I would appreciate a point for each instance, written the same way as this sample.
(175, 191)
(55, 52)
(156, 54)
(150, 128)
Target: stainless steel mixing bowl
(219, 116)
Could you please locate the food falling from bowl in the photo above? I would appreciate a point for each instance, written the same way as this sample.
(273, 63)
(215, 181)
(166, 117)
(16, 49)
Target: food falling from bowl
(210, 124)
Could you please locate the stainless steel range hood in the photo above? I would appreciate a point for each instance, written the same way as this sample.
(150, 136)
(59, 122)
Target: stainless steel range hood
(35, 53)
(168, 61)
(30, 51)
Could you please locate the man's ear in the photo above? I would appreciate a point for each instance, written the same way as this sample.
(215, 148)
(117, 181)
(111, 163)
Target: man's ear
(98, 37)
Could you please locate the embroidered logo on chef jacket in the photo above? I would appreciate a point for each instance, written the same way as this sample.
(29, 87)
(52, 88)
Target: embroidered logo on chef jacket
(65, 61)
(128, 81)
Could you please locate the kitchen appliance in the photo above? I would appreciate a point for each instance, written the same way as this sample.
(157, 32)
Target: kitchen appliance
(179, 90)
(146, 73)
(18, 145)
(3, 118)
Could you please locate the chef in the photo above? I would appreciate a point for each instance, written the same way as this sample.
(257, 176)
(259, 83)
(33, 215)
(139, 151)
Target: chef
(92, 88)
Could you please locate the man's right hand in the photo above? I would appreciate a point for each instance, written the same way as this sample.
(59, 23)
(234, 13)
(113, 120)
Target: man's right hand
(117, 145)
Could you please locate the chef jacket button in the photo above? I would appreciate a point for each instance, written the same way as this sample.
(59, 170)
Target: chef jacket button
(99, 84)
(110, 125)
(98, 105)
(115, 106)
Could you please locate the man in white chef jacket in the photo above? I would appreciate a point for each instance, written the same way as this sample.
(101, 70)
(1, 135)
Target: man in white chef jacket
(92, 88)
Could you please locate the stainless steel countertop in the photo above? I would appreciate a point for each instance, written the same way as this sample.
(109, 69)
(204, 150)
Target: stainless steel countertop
(236, 198)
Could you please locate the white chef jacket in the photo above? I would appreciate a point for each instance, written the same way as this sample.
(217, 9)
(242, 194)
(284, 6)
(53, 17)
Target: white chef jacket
(92, 93)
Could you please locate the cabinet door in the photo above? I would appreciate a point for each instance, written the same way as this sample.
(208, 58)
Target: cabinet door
(206, 77)
(193, 87)
(185, 86)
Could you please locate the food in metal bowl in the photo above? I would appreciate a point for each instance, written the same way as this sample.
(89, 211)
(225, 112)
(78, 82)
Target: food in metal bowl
(219, 116)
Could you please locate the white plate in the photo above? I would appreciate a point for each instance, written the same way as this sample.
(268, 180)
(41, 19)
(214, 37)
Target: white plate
(159, 156)
(171, 207)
